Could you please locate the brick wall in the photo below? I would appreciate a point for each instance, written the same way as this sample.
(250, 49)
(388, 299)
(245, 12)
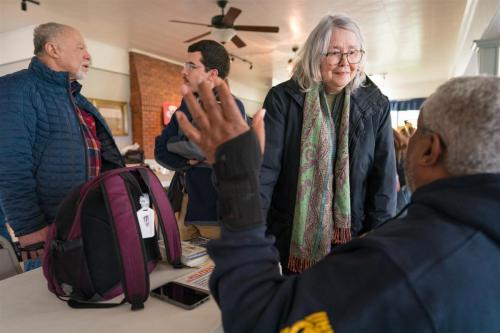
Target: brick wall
(152, 82)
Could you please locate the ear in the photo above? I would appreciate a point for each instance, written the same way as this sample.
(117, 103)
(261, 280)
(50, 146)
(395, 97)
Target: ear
(432, 150)
(213, 74)
(51, 50)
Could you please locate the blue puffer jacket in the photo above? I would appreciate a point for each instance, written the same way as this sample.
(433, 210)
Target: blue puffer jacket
(43, 154)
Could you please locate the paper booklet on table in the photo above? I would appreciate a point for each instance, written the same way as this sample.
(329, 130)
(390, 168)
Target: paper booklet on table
(196, 262)
(190, 251)
(192, 255)
(199, 278)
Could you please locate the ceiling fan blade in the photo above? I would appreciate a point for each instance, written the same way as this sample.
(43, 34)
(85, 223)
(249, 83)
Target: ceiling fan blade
(238, 42)
(257, 28)
(197, 37)
(195, 23)
(230, 16)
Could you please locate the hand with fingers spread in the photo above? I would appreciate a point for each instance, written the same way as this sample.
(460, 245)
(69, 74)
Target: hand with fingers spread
(216, 122)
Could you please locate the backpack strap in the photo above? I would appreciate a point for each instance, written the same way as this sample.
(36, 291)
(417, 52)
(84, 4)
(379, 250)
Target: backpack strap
(135, 276)
(166, 218)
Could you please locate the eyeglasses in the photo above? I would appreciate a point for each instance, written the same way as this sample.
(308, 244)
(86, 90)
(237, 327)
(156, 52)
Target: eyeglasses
(353, 56)
(189, 66)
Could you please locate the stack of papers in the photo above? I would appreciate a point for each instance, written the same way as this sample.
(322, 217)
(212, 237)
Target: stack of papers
(193, 255)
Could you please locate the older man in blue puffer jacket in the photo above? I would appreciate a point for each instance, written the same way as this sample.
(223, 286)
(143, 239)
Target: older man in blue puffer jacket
(52, 137)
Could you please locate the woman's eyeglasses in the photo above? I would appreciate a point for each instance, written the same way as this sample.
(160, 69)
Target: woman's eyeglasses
(353, 56)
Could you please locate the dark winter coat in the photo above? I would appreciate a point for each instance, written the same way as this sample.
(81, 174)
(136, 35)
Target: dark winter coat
(371, 160)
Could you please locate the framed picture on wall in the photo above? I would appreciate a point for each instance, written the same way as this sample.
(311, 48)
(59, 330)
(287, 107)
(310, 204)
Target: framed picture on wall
(115, 113)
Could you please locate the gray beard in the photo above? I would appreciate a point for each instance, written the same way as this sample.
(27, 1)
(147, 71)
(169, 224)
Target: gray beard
(80, 75)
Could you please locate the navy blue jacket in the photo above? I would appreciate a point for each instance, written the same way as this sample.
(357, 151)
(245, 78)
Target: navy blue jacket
(202, 204)
(435, 270)
(371, 160)
(43, 154)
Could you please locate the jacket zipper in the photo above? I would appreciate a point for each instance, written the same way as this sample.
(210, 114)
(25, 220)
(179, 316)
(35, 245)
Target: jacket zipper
(75, 110)
(113, 142)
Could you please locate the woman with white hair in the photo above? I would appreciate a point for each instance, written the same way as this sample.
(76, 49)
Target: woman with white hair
(328, 172)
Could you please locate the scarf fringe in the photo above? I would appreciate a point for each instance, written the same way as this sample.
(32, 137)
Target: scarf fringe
(298, 265)
(341, 235)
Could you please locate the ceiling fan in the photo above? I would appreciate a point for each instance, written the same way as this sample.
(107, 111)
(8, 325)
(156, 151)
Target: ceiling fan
(224, 28)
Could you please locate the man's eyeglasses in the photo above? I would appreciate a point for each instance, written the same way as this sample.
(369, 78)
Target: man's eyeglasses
(353, 56)
(189, 66)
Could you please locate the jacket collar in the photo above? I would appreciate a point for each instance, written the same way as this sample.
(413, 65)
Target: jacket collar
(47, 74)
(364, 97)
(292, 88)
(369, 98)
(75, 87)
(471, 200)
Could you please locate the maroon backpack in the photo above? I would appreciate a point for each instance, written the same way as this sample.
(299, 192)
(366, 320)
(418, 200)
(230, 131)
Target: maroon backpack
(95, 250)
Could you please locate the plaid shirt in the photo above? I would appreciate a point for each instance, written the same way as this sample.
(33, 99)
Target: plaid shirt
(87, 123)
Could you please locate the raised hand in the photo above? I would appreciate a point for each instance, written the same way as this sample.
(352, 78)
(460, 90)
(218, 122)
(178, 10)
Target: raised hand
(216, 122)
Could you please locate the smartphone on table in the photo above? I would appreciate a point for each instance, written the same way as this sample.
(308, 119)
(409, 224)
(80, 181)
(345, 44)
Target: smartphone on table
(181, 295)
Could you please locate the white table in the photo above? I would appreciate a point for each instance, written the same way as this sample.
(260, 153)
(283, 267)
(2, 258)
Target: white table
(26, 305)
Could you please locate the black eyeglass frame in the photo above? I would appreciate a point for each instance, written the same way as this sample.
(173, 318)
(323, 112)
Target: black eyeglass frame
(346, 54)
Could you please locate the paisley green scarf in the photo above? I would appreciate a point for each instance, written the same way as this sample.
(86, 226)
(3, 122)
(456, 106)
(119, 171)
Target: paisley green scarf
(322, 215)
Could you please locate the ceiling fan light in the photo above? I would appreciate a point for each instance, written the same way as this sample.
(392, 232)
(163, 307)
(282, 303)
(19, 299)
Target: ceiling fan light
(223, 35)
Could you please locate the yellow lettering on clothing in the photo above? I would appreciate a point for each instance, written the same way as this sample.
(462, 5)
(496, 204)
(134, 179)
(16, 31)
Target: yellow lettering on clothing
(314, 323)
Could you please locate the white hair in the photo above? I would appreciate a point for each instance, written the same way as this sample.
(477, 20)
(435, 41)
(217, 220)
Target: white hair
(307, 68)
(45, 33)
(465, 112)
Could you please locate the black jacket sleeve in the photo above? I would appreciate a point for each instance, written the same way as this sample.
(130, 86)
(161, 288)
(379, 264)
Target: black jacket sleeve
(275, 137)
(380, 202)
(237, 182)
(163, 156)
